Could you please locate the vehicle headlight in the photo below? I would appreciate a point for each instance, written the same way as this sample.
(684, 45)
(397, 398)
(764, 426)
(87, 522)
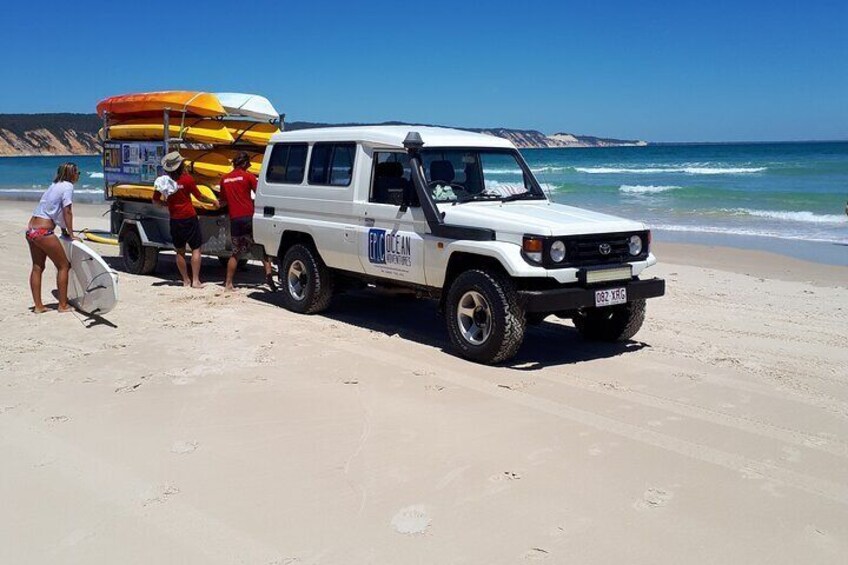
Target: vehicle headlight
(557, 251)
(635, 244)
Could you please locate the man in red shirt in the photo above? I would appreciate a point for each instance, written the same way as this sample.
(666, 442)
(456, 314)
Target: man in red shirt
(185, 227)
(236, 189)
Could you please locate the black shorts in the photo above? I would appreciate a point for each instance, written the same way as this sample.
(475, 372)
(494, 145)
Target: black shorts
(241, 233)
(186, 232)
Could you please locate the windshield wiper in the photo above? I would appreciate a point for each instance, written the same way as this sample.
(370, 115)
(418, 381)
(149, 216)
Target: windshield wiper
(519, 196)
(476, 198)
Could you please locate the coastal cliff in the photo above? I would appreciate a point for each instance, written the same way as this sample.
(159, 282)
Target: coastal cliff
(76, 134)
(48, 134)
(533, 138)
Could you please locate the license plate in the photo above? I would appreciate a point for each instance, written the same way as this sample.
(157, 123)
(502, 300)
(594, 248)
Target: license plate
(610, 296)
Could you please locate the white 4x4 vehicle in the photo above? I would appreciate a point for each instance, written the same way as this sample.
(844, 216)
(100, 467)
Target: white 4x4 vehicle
(452, 215)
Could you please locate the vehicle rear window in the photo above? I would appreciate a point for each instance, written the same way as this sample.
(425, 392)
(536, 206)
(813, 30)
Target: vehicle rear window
(287, 163)
(332, 164)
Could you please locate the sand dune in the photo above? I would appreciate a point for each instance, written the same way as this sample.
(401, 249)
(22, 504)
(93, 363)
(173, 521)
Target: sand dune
(200, 427)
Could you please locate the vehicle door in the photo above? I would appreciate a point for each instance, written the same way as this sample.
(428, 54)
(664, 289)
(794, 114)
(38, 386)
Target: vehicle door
(391, 236)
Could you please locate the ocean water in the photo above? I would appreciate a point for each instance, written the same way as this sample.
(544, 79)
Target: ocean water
(788, 191)
(26, 178)
(780, 192)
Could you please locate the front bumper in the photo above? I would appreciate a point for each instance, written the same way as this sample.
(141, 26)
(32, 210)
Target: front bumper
(559, 299)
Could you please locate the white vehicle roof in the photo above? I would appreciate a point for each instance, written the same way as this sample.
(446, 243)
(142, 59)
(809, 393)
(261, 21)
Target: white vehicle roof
(393, 136)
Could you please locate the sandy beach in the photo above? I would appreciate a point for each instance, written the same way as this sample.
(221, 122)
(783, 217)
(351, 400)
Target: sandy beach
(192, 426)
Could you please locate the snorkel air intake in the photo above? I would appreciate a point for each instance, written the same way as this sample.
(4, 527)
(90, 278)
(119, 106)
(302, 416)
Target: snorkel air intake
(435, 220)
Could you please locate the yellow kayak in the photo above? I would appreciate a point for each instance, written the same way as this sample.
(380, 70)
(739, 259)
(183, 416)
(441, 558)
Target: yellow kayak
(98, 236)
(217, 163)
(197, 130)
(255, 133)
(145, 192)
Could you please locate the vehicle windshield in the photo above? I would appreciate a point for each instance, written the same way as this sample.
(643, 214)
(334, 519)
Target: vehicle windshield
(465, 175)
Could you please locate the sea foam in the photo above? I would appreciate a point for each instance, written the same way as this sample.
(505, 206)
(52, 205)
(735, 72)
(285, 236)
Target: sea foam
(645, 189)
(683, 170)
(800, 216)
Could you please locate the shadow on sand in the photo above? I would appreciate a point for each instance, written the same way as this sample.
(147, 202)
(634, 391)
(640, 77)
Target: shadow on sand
(87, 320)
(545, 345)
(211, 272)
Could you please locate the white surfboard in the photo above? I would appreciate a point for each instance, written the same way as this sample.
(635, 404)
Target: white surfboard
(92, 285)
(249, 105)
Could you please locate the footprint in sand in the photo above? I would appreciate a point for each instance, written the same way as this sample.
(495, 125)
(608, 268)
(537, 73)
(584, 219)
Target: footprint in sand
(536, 554)
(505, 476)
(653, 498)
(56, 419)
(160, 494)
(182, 380)
(411, 520)
(183, 447)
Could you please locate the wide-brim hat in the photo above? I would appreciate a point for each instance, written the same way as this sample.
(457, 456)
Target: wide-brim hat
(172, 161)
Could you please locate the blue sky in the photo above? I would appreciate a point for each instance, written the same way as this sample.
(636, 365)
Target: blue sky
(661, 71)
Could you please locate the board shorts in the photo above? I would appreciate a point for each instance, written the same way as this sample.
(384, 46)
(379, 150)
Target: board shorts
(241, 233)
(33, 234)
(186, 232)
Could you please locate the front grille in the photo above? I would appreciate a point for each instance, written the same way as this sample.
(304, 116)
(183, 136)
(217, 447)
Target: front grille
(586, 249)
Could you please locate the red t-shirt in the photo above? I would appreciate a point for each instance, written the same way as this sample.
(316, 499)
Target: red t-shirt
(236, 187)
(179, 203)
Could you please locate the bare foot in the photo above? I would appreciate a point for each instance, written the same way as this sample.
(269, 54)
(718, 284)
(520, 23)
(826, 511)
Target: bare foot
(186, 282)
(64, 309)
(229, 288)
(198, 284)
(39, 309)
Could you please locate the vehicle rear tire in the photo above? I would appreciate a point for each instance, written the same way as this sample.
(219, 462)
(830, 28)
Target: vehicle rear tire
(306, 282)
(139, 259)
(484, 319)
(611, 323)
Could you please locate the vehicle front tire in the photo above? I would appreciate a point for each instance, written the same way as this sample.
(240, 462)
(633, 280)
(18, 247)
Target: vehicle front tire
(307, 284)
(139, 259)
(484, 319)
(611, 323)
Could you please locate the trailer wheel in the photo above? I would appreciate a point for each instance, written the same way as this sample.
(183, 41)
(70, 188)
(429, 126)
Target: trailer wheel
(139, 259)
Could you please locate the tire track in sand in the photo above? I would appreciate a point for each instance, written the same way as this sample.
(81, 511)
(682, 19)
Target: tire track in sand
(738, 463)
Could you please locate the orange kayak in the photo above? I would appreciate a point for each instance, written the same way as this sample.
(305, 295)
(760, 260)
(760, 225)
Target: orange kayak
(194, 103)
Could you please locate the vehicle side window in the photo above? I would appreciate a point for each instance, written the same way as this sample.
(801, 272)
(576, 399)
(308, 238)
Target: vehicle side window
(392, 176)
(286, 163)
(342, 169)
(296, 163)
(332, 164)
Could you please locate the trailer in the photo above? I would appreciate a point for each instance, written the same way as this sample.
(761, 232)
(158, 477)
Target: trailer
(142, 227)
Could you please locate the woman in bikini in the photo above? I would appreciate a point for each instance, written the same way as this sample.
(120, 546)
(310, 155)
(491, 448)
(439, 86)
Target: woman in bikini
(54, 209)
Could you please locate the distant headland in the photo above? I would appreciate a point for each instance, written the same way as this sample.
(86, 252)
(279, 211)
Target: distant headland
(76, 134)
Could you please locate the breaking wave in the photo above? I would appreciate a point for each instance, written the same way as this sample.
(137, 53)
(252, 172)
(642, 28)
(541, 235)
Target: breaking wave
(648, 189)
(684, 170)
(802, 216)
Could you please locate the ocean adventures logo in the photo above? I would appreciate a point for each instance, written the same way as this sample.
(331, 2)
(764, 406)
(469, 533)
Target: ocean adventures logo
(389, 248)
